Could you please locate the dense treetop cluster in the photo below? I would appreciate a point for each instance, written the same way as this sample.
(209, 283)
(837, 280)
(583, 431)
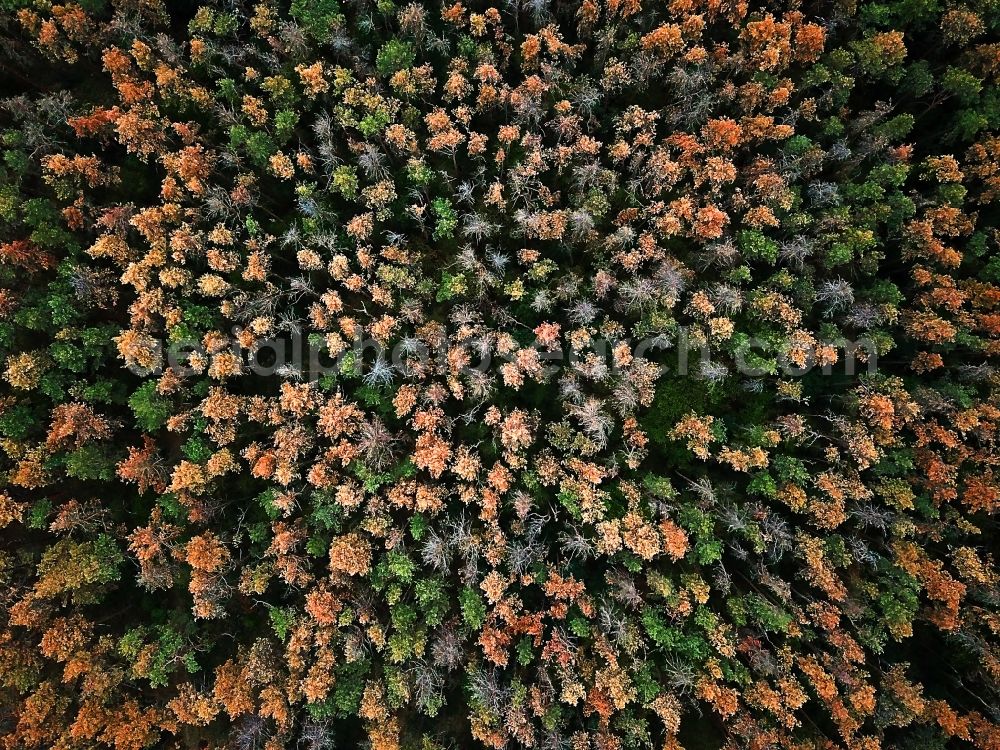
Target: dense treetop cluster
(556, 374)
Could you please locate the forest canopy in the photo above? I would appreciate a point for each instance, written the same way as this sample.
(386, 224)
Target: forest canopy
(552, 374)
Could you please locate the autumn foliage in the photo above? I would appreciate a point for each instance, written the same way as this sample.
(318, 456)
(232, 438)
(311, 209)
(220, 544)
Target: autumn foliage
(599, 540)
